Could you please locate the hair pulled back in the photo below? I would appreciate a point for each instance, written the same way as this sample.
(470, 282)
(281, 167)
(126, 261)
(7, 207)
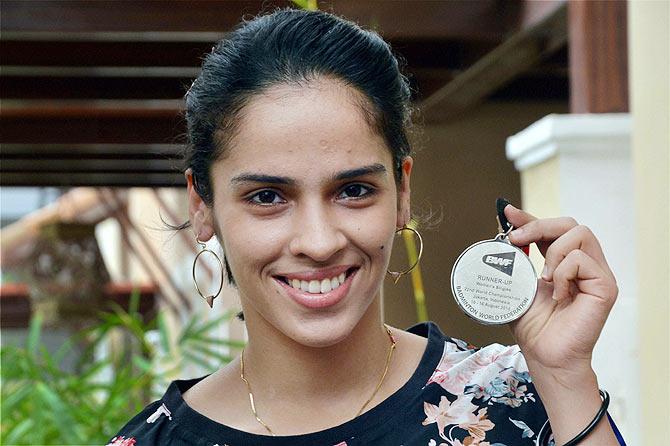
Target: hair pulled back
(291, 47)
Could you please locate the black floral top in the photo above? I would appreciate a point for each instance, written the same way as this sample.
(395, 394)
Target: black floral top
(459, 395)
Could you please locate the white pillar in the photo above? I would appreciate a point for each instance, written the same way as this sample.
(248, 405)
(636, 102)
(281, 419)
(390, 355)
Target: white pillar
(580, 166)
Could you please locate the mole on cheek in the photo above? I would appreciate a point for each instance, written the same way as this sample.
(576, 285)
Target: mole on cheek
(381, 247)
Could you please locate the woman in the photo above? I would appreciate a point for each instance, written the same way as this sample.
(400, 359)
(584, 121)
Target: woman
(299, 165)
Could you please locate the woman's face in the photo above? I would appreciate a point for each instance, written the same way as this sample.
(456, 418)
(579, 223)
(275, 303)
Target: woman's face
(306, 206)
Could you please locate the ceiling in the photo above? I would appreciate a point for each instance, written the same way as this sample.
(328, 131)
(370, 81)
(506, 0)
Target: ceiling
(91, 90)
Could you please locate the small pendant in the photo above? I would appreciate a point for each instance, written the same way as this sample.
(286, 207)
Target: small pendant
(210, 301)
(395, 276)
(493, 281)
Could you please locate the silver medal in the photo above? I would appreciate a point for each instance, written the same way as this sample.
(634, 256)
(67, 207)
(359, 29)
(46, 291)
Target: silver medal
(493, 281)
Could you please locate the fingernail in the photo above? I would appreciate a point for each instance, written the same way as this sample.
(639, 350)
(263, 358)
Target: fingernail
(501, 203)
(545, 274)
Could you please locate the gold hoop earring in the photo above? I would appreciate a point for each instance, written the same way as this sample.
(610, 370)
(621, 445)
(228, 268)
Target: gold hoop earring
(396, 275)
(209, 299)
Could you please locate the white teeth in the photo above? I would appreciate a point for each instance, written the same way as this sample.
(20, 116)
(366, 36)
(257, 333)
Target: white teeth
(318, 286)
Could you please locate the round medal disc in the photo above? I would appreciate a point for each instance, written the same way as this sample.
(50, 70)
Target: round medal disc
(493, 282)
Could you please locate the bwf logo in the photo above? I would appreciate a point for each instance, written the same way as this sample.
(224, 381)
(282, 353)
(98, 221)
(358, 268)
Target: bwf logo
(503, 262)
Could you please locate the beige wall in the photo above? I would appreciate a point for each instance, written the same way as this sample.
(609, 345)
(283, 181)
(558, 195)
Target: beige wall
(540, 193)
(649, 51)
(460, 170)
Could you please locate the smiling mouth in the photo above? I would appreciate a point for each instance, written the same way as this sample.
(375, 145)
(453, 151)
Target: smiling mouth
(318, 286)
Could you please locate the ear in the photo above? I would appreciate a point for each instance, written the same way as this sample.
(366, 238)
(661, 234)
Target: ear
(404, 213)
(200, 215)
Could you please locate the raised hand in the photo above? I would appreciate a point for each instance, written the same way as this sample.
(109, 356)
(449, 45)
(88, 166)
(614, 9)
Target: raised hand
(575, 294)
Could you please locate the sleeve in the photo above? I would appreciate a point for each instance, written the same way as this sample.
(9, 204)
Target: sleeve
(137, 431)
(618, 435)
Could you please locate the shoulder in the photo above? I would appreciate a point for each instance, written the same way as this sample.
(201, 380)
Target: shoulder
(460, 358)
(462, 364)
(135, 429)
(155, 424)
(487, 388)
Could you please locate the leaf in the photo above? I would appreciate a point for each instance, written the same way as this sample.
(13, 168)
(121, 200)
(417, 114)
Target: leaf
(198, 360)
(301, 3)
(210, 353)
(63, 350)
(34, 334)
(134, 302)
(16, 396)
(219, 341)
(310, 5)
(164, 333)
(19, 431)
(205, 327)
(143, 363)
(49, 363)
(527, 432)
(46, 404)
(95, 368)
(64, 421)
(186, 331)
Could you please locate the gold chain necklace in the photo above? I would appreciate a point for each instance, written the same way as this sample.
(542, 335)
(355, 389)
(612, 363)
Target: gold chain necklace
(386, 368)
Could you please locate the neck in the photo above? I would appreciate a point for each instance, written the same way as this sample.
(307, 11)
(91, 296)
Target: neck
(280, 369)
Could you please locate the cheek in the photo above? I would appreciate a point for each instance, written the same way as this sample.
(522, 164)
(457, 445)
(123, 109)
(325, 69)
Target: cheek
(250, 244)
(373, 232)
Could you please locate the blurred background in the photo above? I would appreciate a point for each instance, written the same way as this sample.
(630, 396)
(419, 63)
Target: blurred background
(559, 106)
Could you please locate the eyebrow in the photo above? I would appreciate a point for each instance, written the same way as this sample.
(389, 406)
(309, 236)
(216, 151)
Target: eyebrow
(273, 179)
(360, 171)
(261, 178)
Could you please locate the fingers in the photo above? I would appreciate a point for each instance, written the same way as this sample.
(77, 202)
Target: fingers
(578, 237)
(547, 229)
(580, 268)
(517, 217)
(529, 229)
(555, 237)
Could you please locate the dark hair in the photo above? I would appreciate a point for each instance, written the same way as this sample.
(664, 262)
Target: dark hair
(292, 47)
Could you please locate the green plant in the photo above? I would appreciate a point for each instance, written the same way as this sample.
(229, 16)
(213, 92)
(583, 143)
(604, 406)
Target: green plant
(42, 403)
(307, 4)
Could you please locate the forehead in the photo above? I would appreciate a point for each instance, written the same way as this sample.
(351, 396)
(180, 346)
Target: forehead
(291, 124)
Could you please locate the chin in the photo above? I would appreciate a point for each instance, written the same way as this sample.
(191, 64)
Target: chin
(321, 333)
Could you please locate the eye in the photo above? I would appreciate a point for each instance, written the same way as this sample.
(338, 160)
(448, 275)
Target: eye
(356, 191)
(265, 198)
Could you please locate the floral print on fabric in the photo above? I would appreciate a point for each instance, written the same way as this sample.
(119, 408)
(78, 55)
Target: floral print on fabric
(458, 414)
(506, 388)
(493, 374)
(463, 365)
(122, 441)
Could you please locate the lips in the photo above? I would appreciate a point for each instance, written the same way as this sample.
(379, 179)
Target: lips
(318, 292)
(321, 281)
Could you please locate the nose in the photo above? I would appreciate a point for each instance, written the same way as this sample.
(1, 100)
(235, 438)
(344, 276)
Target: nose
(317, 234)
